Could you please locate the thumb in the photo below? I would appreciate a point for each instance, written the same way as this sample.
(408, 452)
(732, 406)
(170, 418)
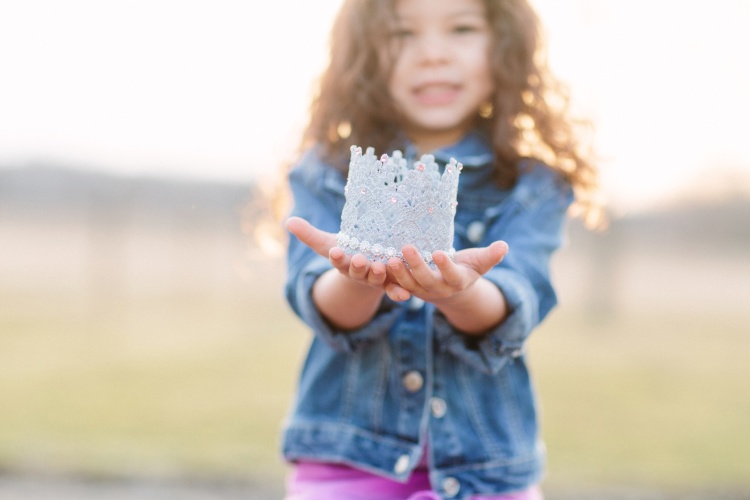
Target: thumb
(491, 256)
(320, 241)
(497, 251)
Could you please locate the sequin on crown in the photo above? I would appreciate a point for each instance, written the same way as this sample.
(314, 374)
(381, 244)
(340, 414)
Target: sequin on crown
(389, 205)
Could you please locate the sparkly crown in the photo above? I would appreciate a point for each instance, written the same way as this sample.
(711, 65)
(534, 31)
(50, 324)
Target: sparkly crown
(389, 205)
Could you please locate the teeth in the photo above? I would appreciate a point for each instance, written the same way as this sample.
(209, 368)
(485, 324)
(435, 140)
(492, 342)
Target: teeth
(435, 89)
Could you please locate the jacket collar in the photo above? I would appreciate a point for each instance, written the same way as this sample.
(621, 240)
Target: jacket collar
(473, 150)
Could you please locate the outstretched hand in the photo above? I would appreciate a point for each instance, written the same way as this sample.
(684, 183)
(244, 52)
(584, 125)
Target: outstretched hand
(404, 278)
(451, 276)
(356, 267)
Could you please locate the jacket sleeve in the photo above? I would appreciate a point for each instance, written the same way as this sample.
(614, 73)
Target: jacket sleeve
(317, 192)
(532, 223)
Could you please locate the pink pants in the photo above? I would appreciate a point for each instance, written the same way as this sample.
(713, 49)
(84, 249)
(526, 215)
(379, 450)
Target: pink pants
(316, 481)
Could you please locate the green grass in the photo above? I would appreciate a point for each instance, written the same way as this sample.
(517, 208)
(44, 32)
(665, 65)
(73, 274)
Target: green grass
(654, 399)
(181, 387)
(196, 385)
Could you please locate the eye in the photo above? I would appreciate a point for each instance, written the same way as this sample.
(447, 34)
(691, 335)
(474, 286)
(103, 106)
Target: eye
(401, 33)
(461, 29)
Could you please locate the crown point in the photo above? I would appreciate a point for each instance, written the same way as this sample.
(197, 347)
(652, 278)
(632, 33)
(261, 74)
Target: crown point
(384, 158)
(419, 166)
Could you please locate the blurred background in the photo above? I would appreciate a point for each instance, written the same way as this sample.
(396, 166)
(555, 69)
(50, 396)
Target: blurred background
(145, 347)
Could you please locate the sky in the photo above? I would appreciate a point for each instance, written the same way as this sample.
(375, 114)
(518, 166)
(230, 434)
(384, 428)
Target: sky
(220, 89)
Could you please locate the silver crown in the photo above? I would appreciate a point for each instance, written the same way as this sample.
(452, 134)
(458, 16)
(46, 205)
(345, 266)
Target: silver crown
(389, 205)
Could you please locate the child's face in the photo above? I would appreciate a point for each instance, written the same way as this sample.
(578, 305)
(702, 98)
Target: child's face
(442, 71)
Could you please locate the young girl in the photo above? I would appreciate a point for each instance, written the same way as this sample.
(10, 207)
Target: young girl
(416, 384)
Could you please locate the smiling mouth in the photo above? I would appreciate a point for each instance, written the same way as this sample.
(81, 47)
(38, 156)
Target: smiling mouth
(435, 94)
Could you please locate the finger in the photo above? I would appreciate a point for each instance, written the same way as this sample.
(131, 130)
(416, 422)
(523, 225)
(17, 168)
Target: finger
(337, 253)
(320, 241)
(420, 271)
(482, 260)
(493, 255)
(358, 267)
(452, 274)
(396, 293)
(340, 260)
(377, 274)
(400, 273)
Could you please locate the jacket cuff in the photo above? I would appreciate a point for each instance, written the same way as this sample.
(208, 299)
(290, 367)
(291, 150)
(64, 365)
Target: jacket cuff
(490, 352)
(339, 340)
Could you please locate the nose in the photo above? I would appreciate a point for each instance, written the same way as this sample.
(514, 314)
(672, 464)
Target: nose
(433, 48)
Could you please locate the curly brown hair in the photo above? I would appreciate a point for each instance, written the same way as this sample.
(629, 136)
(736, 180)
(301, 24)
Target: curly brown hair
(529, 115)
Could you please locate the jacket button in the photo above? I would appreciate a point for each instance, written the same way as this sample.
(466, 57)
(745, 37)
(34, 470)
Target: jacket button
(438, 407)
(451, 486)
(413, 381)
(402, 464)
(475, 231)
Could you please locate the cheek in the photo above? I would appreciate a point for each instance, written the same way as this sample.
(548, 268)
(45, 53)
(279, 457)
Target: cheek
(390, 61)
(398, 81)
(393, 86)
(482, 73)
(477, 60)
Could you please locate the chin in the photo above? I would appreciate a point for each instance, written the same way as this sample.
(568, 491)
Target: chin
(440, 126)
(443, 117)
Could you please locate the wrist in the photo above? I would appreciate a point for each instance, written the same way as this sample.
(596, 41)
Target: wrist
(459, 300)
(475, 310)
(341, 291)
(346, 303)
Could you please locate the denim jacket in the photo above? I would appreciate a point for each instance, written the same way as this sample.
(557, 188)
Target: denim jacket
(378, 397)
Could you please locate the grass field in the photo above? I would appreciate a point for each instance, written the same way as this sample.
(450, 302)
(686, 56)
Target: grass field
(173, 387)
(188, 386)
(659, 400)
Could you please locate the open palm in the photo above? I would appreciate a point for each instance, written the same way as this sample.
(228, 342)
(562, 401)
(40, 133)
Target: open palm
(411, 276)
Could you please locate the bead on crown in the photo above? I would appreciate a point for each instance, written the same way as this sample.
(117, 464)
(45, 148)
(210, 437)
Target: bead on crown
(389, 205)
